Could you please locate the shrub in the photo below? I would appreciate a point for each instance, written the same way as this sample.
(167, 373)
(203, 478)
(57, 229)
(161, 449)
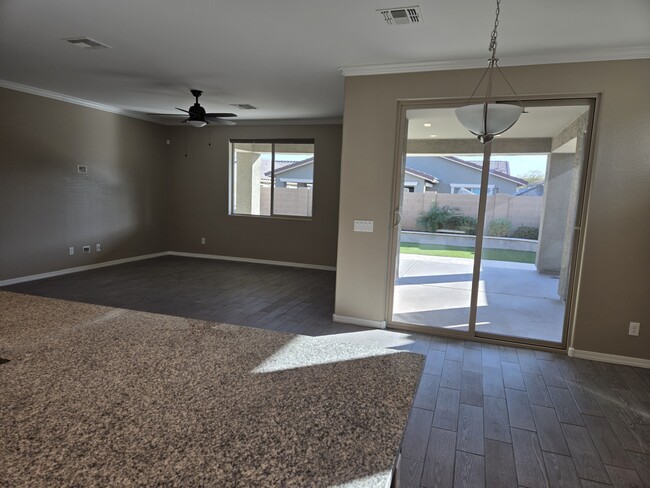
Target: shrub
(462, 222)
(435, 218)
(525, 232)
(499, 228)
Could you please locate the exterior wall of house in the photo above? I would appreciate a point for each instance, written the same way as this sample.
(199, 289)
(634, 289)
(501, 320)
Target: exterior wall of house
(305, 172)
(419, 187)
(449, 173)
(46, 206)
(613, 285)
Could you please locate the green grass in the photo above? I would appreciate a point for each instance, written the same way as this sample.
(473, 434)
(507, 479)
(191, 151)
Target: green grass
(467, 252)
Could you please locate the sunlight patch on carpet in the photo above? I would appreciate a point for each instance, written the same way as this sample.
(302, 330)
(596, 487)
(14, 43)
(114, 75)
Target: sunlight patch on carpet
(303, 352)
(381, 479)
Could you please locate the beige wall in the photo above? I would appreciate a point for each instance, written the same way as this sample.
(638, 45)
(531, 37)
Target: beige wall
(615, 285)
(140, 196)
(199, 198)
(46, 206)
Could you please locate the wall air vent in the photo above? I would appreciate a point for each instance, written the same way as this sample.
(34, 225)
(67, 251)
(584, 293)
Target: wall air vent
(86, 43)
(401, 15)
(244, 106)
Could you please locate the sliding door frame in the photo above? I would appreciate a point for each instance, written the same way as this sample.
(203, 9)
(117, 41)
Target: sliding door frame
(591, 101)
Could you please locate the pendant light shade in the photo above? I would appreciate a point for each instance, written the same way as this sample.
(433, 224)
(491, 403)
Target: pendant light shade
(486, 120)
(197, 123)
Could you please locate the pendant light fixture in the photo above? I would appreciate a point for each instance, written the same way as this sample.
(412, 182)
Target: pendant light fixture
(488, 119)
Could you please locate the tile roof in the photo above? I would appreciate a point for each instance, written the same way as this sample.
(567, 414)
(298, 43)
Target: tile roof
(492, 170)
(530, 188)
(422, 174)
(287, 165)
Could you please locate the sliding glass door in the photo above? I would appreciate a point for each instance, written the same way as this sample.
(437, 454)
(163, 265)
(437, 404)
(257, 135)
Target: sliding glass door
(485, 246)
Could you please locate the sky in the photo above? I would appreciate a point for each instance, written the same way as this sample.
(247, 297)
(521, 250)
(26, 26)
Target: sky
(520, 164)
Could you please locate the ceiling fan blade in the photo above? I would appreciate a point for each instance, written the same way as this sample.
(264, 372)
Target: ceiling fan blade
(219, 115)
(182, 110)
(220, 121)
(169, 115)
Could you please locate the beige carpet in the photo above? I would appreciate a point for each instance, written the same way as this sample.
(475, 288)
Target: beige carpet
(98, 396)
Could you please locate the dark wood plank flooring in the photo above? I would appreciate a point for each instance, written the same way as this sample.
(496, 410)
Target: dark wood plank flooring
(484, 415)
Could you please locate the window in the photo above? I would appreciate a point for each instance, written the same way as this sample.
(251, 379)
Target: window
(272, 178)
(468, 189)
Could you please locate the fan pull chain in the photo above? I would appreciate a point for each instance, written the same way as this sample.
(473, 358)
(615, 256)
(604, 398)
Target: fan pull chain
(209, 137)
(185, 141)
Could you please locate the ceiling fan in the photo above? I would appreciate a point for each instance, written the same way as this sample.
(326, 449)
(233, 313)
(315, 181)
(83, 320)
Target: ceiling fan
(198, 117)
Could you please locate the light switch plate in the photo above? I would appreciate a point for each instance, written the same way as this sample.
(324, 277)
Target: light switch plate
(363, 225)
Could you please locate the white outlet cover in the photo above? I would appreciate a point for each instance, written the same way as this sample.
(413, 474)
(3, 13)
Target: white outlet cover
(634, 328)
(71, 251)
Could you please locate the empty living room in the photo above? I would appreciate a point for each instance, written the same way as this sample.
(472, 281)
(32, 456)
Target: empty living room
(308, 244)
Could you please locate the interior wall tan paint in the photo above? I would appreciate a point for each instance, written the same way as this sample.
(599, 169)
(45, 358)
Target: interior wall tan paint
(199, 198)
(46, 206)
(615, 282)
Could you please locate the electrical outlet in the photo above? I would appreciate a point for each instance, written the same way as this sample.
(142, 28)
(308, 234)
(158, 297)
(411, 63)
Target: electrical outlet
(634, 328)
(98, 247)
(86, 249)
(202, 240)
(71, 251)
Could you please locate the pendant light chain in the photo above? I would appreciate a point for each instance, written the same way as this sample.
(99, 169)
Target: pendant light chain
(488, 118)
(493, 36)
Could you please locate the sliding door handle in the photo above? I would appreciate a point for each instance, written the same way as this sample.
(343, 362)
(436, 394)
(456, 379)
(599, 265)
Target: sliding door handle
(397, 218)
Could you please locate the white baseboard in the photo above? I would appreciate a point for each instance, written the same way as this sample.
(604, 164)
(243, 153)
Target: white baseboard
(251, 260)
(76, 269)
(375, 324)
(60, 272)
(609, 358)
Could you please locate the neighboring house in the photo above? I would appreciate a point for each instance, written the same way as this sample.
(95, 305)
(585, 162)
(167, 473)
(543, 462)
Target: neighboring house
(445, 174)
(292, 174)
(456, 175)
(536, 190)
(418, 181)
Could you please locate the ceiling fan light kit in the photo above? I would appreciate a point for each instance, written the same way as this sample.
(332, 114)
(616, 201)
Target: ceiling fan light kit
(486, 120)
(196, 123)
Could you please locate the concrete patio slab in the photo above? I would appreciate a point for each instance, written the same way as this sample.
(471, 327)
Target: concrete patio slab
(514, 299)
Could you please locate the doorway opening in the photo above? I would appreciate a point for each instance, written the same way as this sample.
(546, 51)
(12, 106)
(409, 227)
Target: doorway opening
(512, 281)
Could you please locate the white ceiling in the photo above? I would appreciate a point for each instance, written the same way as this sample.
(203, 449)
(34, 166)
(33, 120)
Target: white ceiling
(283, 56)
(536, 122)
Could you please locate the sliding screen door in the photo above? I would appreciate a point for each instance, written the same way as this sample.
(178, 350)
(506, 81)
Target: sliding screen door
(512, 281)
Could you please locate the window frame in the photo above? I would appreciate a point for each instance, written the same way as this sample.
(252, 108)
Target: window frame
(273, 142)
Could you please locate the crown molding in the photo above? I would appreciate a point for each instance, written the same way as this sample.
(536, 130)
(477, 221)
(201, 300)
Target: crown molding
(316, 121)
(152, 118)
(70, 99)
(613, 54)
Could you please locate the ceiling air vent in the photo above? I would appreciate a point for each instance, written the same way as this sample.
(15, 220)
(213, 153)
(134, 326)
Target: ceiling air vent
(87, 43)
(244, 106)
(401, 15)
